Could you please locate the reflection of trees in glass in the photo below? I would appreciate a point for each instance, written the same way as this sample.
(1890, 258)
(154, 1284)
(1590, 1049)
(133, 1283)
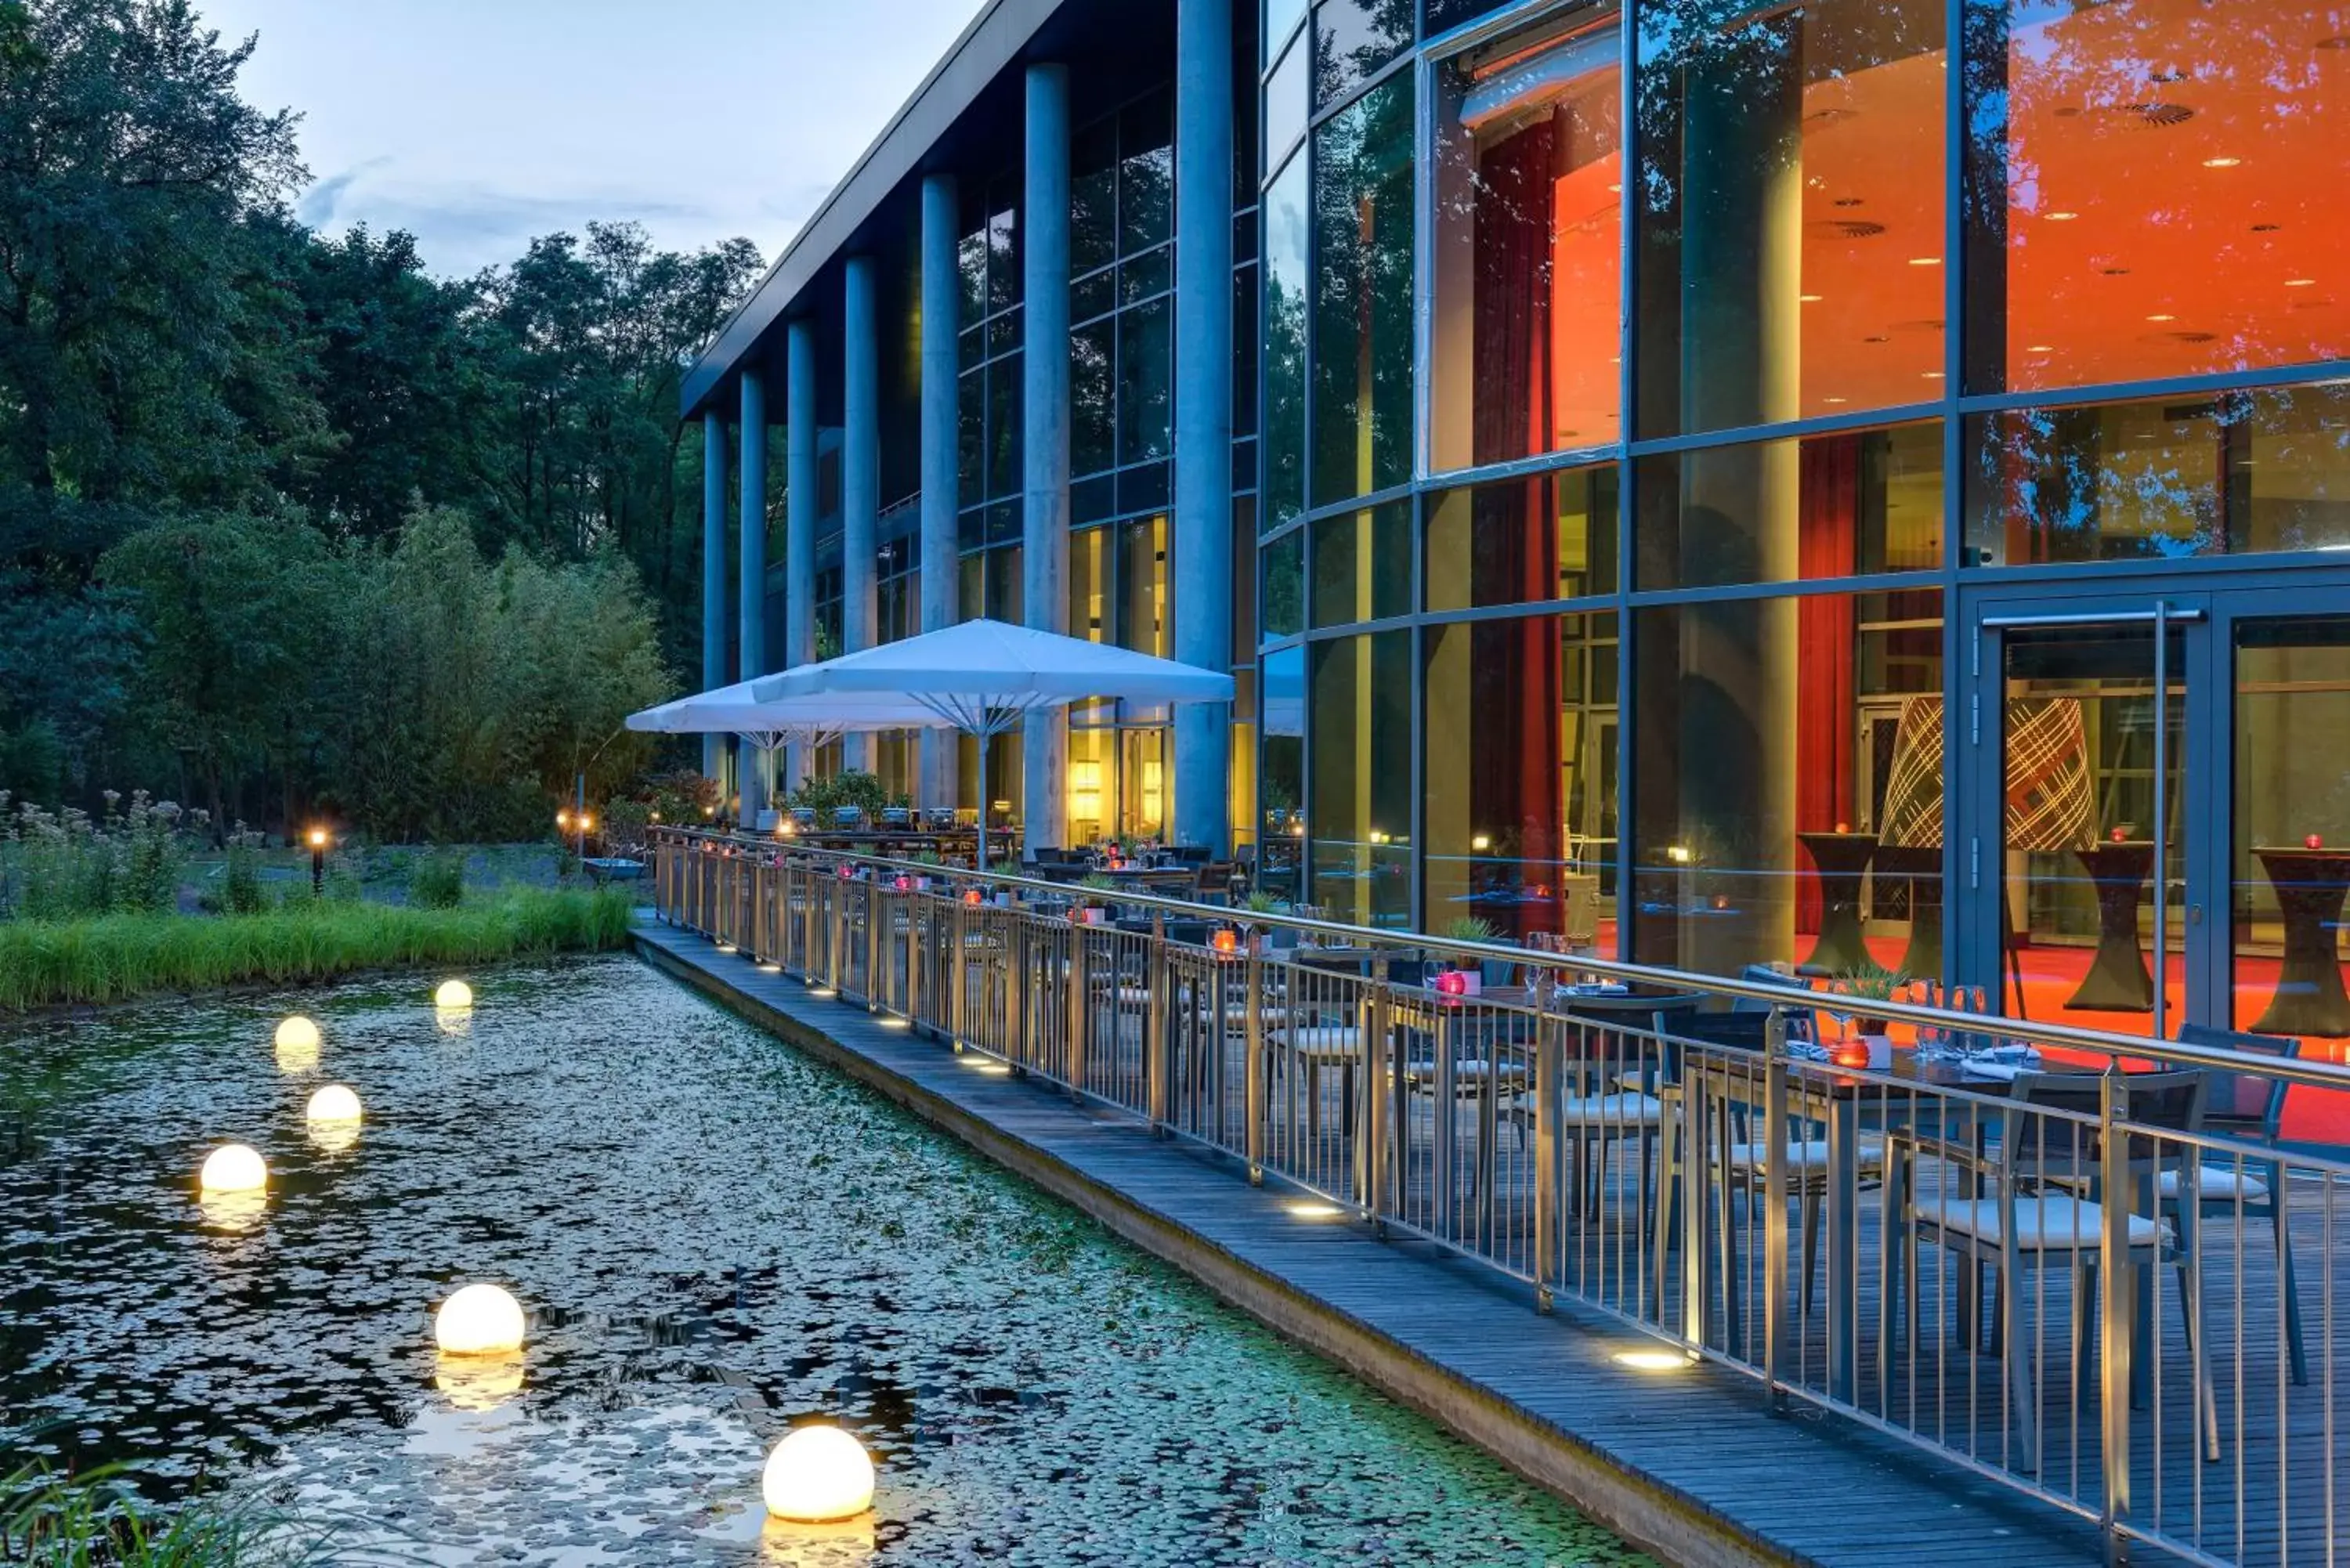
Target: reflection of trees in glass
(2112, 111)
(1146, 383)
(1284, 346)
(1092, 405)
(1353, 38)
(1362, 295)
(1285, 587)
(2247, 471)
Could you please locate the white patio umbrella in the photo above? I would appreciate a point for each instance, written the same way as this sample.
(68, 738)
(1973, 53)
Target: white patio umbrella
(983, 677)
(770, 726)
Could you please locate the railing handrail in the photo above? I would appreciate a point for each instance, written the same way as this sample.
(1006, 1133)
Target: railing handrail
(2063, 1036)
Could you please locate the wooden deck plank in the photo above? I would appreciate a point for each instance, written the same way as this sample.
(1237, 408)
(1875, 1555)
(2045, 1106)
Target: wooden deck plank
(1690, 1462)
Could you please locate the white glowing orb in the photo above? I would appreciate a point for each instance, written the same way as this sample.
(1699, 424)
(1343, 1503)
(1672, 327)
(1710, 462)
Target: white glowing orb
(480, 1320)
(817, 1474)
(333, 1104)
(234, 1167)
(453, 994)
(297, 1033)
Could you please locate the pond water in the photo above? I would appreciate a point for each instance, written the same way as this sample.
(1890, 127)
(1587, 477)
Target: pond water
(716, 1238)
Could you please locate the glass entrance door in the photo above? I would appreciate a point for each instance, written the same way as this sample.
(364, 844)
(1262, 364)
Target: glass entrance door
(2285, 857)
(2155, 830)
(2087, 857)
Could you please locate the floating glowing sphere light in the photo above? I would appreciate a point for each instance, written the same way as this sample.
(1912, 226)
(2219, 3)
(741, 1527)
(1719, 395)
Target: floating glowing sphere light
(297, 1033)
(453, 994)
(817, 1474)
(234, 1167)
(480, 1320)
(333, 1104)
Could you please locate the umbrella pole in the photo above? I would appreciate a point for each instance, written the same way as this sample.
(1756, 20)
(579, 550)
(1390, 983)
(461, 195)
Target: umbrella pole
(982, 799)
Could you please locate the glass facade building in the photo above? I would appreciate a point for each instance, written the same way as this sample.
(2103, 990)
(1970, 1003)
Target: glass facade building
(1862, 482)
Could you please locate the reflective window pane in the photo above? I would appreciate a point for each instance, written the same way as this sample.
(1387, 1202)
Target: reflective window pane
(2291, 681)
(1362, 297)
(1359, 821)
(1528, 246)
(2229, 474)
(1142, 588)
(1521, 763)
(1789, 803)
(1362, 564)
(1281, 776)
(1284, 578)
(1790, 225)
(1093, 406)
(1146, 383)
(1790, 511)
(1286, 110)
(1146, 173)
(1520, 541)
(1352, 39)
(1284, 346)
(1280, 16)
(2153, 189)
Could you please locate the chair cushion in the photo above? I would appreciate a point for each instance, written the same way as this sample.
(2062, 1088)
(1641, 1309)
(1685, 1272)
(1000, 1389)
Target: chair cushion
(2221, 1184)
(2052, 1222)
(1612, 1110)
(1869, 1159)
(1334, 1042)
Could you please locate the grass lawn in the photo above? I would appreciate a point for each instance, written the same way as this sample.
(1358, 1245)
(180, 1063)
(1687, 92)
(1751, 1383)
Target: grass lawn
(114, 958)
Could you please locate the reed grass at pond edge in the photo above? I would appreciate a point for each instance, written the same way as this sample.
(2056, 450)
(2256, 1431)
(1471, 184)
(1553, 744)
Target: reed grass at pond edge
(114, 958)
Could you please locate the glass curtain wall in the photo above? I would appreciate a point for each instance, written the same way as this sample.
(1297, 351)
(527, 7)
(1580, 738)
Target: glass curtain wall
(1790, 227)
(1362, 352)
(1529, 243)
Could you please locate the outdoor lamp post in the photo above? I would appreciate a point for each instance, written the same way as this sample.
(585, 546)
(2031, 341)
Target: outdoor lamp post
(317, 862)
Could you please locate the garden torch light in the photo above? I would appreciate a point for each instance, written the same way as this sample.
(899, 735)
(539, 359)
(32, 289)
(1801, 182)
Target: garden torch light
(318, 862)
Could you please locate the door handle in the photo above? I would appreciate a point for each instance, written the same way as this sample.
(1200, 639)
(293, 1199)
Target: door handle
(2194, 914)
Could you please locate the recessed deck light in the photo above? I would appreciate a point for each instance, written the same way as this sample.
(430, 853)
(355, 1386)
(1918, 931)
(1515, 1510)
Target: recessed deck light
(1654, 1360)
(1316, 1210)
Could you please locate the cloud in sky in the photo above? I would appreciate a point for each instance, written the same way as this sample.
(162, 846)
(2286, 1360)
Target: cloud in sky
(479, 126)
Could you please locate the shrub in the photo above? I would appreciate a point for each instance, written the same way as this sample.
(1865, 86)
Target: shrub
(438, 880)
(241, 892)
(57, 865)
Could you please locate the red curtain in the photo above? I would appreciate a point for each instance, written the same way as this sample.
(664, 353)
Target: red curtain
(1828, 520)
(1514, 767)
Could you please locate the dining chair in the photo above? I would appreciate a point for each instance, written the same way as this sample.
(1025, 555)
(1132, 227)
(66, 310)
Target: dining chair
(2251, 1108)
(2043, 1204)
(1622, 1073)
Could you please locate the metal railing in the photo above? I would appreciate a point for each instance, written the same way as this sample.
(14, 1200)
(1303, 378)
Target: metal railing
(1971, 1251)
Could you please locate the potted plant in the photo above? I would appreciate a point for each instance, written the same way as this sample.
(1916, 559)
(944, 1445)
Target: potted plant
(1866, 982)
(1468, 929)
(1092, 906)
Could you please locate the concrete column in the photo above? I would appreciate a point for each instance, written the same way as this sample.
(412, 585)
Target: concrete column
(1202, 543)
(1045, 429)
(799, 526)
(750, 765)
(941, 500)
(714, 574)
(860, 474)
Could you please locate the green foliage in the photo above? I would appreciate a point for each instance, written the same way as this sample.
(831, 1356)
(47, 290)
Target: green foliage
(849, 787)
(95, 1521)
(1260, 902)
(241, 892)
(62, 864)
(437, 881)
(1468, 929)
(221, 436)
(1869, 981)
(114, 958)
